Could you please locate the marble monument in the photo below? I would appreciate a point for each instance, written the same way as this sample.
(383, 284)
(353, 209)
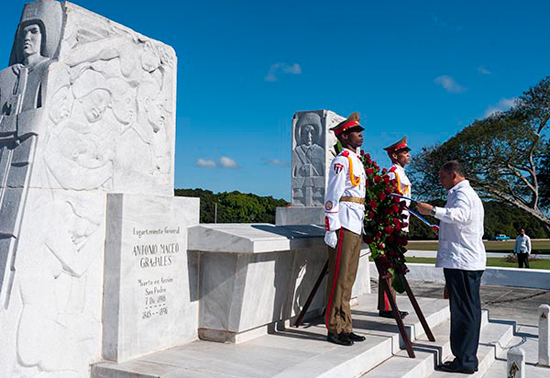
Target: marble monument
(87, 110)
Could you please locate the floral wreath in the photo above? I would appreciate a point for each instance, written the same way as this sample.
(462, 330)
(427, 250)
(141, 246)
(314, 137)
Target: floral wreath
(384, 223)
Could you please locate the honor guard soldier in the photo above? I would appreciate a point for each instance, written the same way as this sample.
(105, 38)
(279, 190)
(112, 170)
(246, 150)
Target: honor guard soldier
(344, 213)
(400, 156)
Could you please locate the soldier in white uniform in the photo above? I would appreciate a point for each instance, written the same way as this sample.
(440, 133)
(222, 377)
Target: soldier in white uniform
(344, 214)
(400, 156)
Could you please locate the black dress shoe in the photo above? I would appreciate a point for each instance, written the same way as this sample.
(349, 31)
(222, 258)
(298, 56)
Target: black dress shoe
(340, 339)
(389, 314)
(452, 367)
(453, 362)
(355, 337)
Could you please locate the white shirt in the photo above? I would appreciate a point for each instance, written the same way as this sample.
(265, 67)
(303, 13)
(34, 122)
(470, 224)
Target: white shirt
(338, 214)
(461, 230)
(404, 187)
(523, 244)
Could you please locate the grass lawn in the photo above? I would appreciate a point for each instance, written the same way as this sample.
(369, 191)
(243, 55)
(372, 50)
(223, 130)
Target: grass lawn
(538, 246)
(491, 261)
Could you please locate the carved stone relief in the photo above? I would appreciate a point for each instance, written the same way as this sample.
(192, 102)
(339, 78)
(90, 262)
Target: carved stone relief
(312, 152)
(87, 106)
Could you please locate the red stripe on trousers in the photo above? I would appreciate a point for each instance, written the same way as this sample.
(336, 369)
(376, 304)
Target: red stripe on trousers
(336, 269)
(386, 302)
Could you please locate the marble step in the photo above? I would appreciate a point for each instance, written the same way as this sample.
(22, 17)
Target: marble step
(430, 354)
(493, 338)
(525, 337)
(292, 352)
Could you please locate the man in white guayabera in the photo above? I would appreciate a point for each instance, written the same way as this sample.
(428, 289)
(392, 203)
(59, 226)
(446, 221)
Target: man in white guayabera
(461, 254)
(523, 248)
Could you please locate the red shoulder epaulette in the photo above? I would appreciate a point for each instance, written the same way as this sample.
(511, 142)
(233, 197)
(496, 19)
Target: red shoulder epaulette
(345, 153)
(392, 169)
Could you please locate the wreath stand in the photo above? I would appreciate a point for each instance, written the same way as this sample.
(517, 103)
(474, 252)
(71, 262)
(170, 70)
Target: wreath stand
(385, 286)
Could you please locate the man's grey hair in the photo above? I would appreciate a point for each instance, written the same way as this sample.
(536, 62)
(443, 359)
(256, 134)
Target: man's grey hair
(453, 167)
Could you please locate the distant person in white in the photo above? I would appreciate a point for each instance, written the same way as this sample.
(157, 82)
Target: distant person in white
(523, 249)
(461, 253)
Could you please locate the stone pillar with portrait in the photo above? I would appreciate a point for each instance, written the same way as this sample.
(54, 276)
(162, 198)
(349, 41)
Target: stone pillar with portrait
(312, 151)
(90, 233)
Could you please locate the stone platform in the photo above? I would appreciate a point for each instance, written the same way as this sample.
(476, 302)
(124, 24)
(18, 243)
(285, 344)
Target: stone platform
(303, 352)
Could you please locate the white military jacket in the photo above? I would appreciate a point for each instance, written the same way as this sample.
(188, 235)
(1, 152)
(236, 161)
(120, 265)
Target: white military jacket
(343, 183)
(404, 188)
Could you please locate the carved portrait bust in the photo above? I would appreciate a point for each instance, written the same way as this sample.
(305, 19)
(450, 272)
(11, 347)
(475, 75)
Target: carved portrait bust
(309, 156)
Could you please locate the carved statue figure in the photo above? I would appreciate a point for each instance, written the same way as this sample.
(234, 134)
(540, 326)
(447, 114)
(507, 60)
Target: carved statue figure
(308, 161)
(21, 103)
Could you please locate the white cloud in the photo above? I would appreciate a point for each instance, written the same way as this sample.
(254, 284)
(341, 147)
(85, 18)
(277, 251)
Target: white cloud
(277, 162)
(227, 162)
(278, 68)
(503, 105)
(438, 21)
(206, 163)
(483, 70)
(449, 84)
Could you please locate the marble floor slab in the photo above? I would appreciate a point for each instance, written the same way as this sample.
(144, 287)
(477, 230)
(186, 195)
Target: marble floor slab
(293, 352)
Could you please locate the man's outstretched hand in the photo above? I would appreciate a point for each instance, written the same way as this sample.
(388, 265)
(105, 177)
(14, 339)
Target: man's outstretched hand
(424, 208)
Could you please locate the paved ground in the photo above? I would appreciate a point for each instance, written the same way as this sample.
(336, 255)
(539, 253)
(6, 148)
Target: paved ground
(504, 303)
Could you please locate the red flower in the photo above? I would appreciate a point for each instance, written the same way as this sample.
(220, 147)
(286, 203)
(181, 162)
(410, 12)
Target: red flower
(373, 205)
(368, 158)
(380, 245)
(396, 221)
(386, 179)
(395, 208)
(389, 230)
(378, 235)
(377, 179)
(398, 226)
(390, 239)
(370, 171)
(405, 224)
(393, 182)
(381, 196)
(388, 190)
(384, 171)
(368, 239)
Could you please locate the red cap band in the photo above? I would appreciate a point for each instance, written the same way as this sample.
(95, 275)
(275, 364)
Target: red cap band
(344, 127)
(397, 147)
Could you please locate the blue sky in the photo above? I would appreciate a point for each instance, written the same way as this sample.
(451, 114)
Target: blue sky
(424, 69)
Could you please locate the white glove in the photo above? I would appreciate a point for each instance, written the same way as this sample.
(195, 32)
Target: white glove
(331, 239)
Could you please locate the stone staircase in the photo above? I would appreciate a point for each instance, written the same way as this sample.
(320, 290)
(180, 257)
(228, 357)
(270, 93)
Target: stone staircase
(304, 352)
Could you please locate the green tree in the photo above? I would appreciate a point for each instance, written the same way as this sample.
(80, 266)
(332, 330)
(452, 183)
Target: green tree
(234, 207)
(502, 154)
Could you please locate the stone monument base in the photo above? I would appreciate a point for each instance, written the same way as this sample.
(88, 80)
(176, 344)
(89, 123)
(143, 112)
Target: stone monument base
(294, 215)
(254, 277)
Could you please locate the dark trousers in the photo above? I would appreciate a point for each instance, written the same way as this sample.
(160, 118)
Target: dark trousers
(523, 259)
(465, 303)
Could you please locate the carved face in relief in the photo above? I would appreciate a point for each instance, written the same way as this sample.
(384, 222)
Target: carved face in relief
(308, 132)
(95, 103)
(155, 112)
(124, 103)
(61, 104)
(31, 36)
